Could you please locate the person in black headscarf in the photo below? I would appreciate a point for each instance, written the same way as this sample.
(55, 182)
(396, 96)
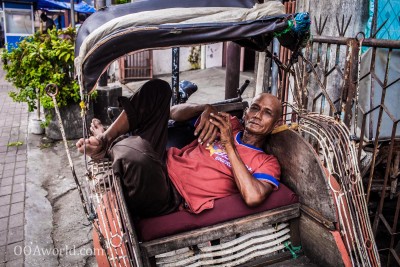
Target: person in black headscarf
(49, 23)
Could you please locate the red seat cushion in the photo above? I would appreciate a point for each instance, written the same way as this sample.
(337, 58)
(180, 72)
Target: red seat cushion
(225, 209)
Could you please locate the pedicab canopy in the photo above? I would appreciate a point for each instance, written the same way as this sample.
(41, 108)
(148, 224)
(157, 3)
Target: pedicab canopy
(149, 24)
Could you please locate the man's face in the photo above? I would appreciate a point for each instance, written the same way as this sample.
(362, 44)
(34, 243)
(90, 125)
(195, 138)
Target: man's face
(263, 114)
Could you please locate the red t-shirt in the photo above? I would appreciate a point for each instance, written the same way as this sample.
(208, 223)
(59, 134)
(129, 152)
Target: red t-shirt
(202, 174)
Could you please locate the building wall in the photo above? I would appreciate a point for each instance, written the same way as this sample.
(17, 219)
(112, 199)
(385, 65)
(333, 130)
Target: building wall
(162, 59)
(357, 9)
(214, 55)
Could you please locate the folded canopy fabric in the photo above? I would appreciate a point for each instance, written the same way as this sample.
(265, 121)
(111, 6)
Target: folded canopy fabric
(115, 31)
(188, 16)
(80, 7)
(104, 15)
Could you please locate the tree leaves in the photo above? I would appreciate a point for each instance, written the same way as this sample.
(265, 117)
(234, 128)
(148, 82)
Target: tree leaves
(39, 60)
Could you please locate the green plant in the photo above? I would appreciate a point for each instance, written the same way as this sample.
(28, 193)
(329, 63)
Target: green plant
(41, 59)
(119, 2)
(46, 121)
(17, 144)
(194, 57)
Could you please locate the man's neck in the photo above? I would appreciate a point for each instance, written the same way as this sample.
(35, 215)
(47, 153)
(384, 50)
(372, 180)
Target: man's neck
(253, 139)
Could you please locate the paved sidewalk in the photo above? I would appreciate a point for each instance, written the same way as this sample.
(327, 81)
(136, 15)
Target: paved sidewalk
(13, 160)
(36, 192)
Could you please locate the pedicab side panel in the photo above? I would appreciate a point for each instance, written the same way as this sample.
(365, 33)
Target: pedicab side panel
(303, 173)
(117, 249)
(319, 243)
(114, 238)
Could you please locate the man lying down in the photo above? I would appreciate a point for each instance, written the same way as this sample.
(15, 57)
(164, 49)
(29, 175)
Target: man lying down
(226, 158)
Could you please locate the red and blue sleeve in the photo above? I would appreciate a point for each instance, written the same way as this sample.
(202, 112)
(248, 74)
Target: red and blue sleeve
(269, 171)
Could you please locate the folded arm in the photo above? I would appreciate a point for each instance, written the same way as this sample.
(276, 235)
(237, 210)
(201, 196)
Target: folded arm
(183, 112)
(253, 191)
(96, 146)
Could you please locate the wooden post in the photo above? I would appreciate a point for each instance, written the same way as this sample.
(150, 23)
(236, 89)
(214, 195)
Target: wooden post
(232, 70)
(275, 69)
(72, 13)
(350, 81)
(203, 56)
(260, 73)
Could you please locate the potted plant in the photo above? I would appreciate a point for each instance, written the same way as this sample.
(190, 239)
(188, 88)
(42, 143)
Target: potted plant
(37, 61)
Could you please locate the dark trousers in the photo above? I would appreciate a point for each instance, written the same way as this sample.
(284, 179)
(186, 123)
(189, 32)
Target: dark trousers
(139, 160)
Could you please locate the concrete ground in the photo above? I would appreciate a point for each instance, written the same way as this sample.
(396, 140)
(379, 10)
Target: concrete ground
(42, 222)
(55, 221)
(210, 83)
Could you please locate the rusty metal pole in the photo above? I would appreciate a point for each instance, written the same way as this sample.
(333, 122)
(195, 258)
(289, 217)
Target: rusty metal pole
(232, 70)
(72, 13)
(350, 83)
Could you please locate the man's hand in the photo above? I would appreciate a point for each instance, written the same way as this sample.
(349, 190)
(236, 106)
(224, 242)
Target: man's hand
(206, 130)
(222, 121)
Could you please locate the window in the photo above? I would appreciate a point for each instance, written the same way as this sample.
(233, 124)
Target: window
(18, 22)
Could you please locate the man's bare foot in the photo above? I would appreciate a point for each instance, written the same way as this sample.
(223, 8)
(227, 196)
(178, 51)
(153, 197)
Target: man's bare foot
(94, 147)
(96, 128)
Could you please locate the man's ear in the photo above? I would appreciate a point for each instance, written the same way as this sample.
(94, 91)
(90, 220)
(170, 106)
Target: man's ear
(278, 123)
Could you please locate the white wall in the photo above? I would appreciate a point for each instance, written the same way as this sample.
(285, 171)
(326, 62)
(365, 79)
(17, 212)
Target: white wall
(214, 55)
(162, 59)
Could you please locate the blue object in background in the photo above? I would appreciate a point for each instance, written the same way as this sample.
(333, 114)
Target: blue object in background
(17, 25)
(387, 10)
(60, 21)
(79, 6)
(12, 41)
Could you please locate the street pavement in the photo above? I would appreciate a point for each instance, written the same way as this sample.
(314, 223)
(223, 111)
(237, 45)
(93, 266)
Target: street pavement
(13, 166)
(42, 222)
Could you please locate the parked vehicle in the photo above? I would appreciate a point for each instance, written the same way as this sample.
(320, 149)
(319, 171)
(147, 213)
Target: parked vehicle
(319, 211)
